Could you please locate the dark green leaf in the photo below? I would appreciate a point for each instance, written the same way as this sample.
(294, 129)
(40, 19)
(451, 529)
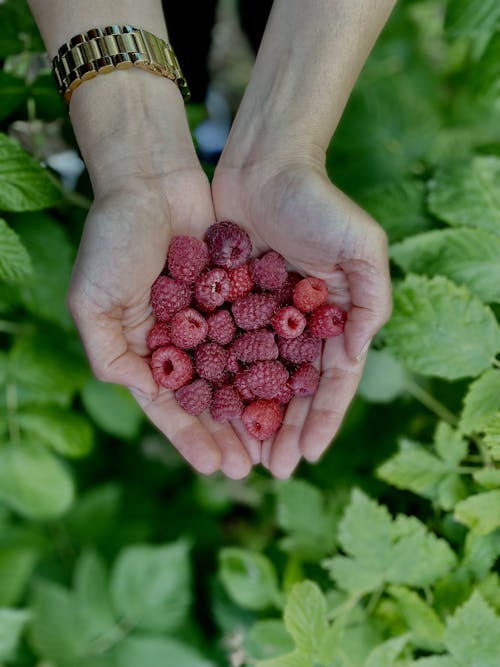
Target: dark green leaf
(112, 408)
(12, 93)
(249, 578)
(15, 262)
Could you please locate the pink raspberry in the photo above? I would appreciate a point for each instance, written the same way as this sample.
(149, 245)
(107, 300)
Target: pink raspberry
(286, 292)
(226, 404)
(168, 297)
(266, 378)
(210, 361)
(327, 321)
(229, 245)
(288, 322)
(232, 363)
(262, 419)
(171, 367)
(211, 289)
(187, 257)
(240, 282)
(269, 271)
(241, 384)
(304, 380)
(255, 346)
(158, 335)
(254, 311)
(309, 293)
(221, 327)
(188, 328)
(301, 349)
(285, 395)
(195, 398)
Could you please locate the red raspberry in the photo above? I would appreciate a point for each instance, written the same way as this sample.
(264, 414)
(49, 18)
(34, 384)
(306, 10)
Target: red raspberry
(210, 361)
(171, 367)
(269, 271)
(188, 328)
(304, 380)
(286, 292)
(232, 363)
(240, 282)
(254, 311)
(288, 322)
(195, 398)
(226, 404)
(301, 349)
(158, 335)
(221, 327)
(229, 245)
(326, 321)
(241, 384)
(168, 297)
(309, 293)
(262, 418)
(266, 378)
(255, 346)
(211, 289)
(187, 257)
(285, 395)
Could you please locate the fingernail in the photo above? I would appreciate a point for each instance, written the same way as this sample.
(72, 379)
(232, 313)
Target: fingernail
(364, 350)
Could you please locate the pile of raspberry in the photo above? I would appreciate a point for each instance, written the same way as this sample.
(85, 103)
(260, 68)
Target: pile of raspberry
(234, 334)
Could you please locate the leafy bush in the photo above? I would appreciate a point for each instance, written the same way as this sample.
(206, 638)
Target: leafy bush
(386, 554)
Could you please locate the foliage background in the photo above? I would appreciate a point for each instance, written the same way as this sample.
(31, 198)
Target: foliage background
(112, 553)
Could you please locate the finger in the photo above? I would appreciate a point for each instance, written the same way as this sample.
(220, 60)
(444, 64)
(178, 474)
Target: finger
(285, 453)
(339, 380)
(236, 462)
(251, 444)
(187, 433)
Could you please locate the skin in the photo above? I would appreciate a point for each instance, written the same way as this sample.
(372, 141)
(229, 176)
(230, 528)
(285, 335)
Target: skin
(149, 186)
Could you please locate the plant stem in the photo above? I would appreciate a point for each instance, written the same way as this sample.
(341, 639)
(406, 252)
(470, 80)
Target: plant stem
(430, 402)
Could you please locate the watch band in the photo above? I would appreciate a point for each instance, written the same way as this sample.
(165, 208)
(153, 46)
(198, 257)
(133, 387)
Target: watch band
(102, 50)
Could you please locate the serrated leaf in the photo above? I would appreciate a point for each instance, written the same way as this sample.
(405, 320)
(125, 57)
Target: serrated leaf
(450, 445)
(450, 491)
(112, 408)
(305, 616)
(16, 565)
(249, 578)
(24, 184)
(423, 622)
(267, 639)
(473, 634)
(488, 477)
(489, 588)
(469, 257)
(440, 329)
(480, 512)
(157, 652)
(294, 659)
(386, 654)
(468, 194)
(15, 262)
(33, 482)
(12, 622)
(481, 402)
(384, 379)
(151, 586)
(480, 553)
(92, 601)
(67, 433)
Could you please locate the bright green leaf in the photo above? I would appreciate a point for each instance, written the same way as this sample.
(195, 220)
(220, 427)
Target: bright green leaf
(12, 622)
(480, 512)
(480, 553)
(249, 578)
(67, 433)
(112, 408)
(91, 595)
(481, 402)
(492, 436)
(423, 622)
(450, 445)
(450, 491)
(385, 655)
(489, 588)
(15, 262)
(294, 659)
(305, 616)
(149, 651)
(384, 379)
(488, 477)
(437, 661)
(16, 565)
(267, 639)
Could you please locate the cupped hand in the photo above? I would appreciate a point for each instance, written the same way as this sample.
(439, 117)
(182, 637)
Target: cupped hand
(295, 210)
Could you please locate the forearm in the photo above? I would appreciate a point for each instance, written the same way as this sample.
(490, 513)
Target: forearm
(310, 57)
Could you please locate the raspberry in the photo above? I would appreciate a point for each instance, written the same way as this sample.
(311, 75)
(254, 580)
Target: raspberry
(210, 361)
(309, 293)
(188, 328)
(229, 245)
(285, 294)
(232, 364)
(187, 257)
(168, 297)
(298, 350)
(285, 395)
(226, 404)
(262, 418)
(288, 322)
(266, 378)
(255, 346)
(327, 320)
(241, 384)
(304, 381)
(158, 335)
(211, 289)
(194, 398)
(221, 327)
(269, 271)
(254, 310)
(240, 282)
(171, 367)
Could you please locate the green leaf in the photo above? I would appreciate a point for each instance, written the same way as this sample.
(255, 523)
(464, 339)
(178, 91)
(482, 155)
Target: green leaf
(473, 634)
(94, 515)
(480, 553)
(489, 588)
(438, 661)
(15, 262)
(469, 257)
(151, 586)
(477, 19)
(423, 622)
(440, 329)
(249, 578)
(157, 652)
(67, 433)
(294, 659)
(92, 599)
(33, 482)
(385, 655)
(384, 379)
(112, 408)
(480, 512)
(450, 445)
(492, 436)
(267, 639)
(305, 616)
(481, 402)
(12, 93)
(24, 184)
(488, 477)
(450, 491)
(19, 32)
(468, 194)
(16, 566)
(12, 622)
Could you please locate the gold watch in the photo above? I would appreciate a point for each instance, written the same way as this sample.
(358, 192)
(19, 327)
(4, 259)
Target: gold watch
(102, 50)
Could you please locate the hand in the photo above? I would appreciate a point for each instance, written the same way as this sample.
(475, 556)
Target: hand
(296, 211)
